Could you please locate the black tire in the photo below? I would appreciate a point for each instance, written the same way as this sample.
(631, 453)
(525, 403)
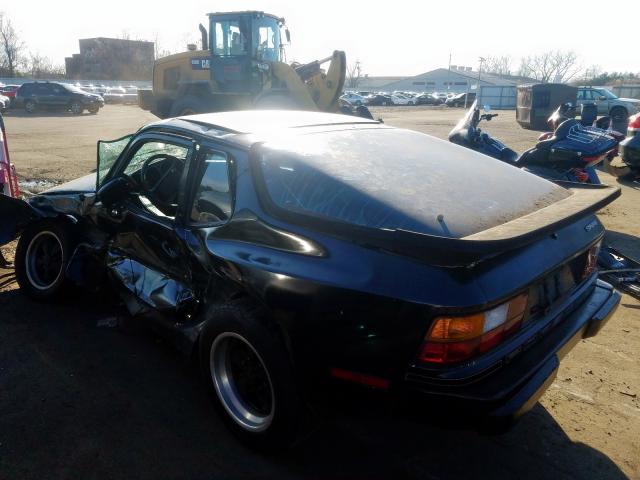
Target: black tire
(619, 114)
(30, 106)
(76, 107)
(41, 260)
(93, 109)
(384, 104)
(411, 103)
(240, 331)
(187, 105)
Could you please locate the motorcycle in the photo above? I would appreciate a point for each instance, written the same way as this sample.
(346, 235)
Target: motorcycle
(565, 154)
(629, 151)
(8, 178)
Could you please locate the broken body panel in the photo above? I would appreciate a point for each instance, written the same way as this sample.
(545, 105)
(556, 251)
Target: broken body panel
(342, 293)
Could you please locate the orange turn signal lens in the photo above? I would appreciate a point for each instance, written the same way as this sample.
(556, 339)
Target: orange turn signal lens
(456, 338)
(454, 329)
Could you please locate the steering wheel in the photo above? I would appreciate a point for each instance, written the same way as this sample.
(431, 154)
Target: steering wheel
(156, 166)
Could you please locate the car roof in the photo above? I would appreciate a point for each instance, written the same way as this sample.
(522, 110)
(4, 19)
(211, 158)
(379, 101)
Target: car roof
(258, 122)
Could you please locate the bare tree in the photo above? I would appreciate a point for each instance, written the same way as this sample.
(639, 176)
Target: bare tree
(500, 66)
(39, 66)
(10, 45)
(552, 66)
(159, 50)
(354, 74)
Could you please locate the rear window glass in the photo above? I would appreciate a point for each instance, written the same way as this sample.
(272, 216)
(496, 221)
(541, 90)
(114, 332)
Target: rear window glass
(397, 179)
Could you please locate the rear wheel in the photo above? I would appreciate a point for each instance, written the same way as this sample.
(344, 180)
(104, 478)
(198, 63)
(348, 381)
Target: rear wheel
(76, 108)
(41, 260)
(30, 106)
(249, 376)
(619, 114)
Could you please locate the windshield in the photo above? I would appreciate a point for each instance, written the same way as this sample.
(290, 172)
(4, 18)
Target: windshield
(266, 35)
(606, 93)
(73, 88)
(468, 119)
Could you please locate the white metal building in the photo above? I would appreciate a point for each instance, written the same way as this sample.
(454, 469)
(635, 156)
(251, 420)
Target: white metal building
(499, 92)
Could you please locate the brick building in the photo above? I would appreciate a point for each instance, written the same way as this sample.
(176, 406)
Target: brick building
(111, 59)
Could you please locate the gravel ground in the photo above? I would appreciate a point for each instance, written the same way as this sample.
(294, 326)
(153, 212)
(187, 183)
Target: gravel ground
(80, 399)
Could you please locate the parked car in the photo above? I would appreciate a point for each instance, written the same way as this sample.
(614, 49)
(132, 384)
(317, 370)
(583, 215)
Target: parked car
(114, 95)
(248, 240)
(428, 99)
(9, 91)
(354, 99)
(379, 100)
(52, 95)
(619, 109)
(399, 99)
(461, 99)
(5, 102)
(441, 96)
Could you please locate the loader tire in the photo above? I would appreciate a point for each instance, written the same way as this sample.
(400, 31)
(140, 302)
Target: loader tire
(188, 105)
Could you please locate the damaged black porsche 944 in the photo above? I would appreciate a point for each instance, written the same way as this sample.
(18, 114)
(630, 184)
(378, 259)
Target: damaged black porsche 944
(298, 251)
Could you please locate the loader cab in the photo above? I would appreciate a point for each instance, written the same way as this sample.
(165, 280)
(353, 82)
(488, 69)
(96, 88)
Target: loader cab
(243, 45)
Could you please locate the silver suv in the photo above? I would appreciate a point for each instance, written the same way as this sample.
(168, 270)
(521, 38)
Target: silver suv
(619, 109)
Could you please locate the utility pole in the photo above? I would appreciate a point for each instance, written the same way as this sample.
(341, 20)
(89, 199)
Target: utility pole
(449, 74)
(466, 98)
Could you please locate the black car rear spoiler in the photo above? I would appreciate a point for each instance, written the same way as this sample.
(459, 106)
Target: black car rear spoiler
(585, 199)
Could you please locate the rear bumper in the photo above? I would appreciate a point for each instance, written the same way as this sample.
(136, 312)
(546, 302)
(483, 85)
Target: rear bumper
(512, 387)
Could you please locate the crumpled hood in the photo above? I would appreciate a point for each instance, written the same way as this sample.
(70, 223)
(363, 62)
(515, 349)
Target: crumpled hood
(86, 184)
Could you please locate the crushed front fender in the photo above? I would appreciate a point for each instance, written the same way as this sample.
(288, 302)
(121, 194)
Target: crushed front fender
(15, 215)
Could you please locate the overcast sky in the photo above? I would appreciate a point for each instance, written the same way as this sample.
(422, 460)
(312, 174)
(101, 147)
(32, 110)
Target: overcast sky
(389, 38)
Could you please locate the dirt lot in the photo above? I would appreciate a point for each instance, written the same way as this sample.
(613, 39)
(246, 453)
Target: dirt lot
(79, 399)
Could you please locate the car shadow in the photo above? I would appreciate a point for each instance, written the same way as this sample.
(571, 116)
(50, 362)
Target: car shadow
(629, 181)
(41, 113)
(89, 393)
(626, 244)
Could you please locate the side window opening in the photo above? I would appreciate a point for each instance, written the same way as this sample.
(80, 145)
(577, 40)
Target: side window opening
(212, 201)
(108, 153)
(156, 167)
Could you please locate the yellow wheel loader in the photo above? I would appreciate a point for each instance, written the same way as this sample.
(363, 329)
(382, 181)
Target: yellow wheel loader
(242, 66)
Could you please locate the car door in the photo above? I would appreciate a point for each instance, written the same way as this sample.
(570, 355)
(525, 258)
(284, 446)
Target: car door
(146, 254)
(209, 202)
(58, 96)
(602, 101)
(582, 96)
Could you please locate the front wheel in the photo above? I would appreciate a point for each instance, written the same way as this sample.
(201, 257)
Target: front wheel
(76, 108)
(248, 374)
(93, 109)
(41, 260)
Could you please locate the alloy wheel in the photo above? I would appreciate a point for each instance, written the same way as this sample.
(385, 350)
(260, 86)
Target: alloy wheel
(242, 382)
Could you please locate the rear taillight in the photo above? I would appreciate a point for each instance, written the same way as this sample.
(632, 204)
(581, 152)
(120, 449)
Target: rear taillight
(634, 124)
(453, 339)
(591, 263)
